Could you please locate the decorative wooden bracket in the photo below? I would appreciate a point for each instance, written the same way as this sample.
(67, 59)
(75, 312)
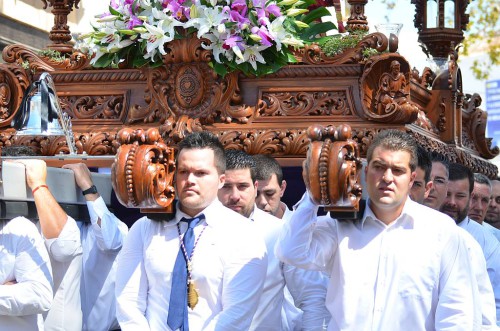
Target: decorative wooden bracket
(332, 170)
(143, 171)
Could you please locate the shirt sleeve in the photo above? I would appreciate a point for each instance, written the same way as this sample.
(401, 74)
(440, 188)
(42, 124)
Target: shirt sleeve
(243, 279)
(304, 241)
(131, 287)
(308, 289)
(455, 309)
(68, 245)
(32, 294)
(112, 232)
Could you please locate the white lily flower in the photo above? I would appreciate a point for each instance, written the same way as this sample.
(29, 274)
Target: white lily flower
(216, 43)
(277, 31)
(209, 18)
(252, 55)
(292, 41)
(239, 55)
(156, 38)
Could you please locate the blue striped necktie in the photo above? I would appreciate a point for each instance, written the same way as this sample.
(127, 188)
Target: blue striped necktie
(177, 309)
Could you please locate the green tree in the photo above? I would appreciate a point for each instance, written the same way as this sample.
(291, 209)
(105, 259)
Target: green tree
(483, 32)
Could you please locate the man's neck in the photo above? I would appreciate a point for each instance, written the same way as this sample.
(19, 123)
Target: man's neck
(281, 210)
(386, 216)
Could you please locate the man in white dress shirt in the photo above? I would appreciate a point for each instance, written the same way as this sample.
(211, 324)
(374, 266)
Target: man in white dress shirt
(439, 179)
(493, 213)
(271, 187)
(485, 301)
(25, 276)
(308, 288)
(456, 205)
(62, 240)
(102, 239)
(227, 263)
(422, 184)
(400, 266)
(479, 202)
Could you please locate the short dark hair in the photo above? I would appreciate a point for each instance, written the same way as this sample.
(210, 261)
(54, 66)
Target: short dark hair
(482, 179)
(394, 140)
(459, 172)
(266, 167)
(438, 157)
(236, 159)
(205, 139)
(424, 162)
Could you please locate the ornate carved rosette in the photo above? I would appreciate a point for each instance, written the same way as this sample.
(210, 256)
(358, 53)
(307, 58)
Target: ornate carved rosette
(332, 168)
(143, 171)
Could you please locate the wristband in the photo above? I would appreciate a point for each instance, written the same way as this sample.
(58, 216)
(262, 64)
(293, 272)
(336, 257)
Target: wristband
(90, 190)
(36, 188)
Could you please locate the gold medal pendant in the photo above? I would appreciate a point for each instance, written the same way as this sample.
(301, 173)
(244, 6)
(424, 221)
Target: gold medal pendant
(192, 295)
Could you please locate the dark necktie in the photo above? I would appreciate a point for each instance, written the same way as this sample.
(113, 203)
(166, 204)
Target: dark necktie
(177, 309)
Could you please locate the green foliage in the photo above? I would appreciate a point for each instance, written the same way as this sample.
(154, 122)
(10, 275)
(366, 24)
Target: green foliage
(338, 43)
(53, 55)
(483, 32)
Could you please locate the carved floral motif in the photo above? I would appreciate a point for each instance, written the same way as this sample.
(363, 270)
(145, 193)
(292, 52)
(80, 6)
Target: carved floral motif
(93, 106)
(310, 103)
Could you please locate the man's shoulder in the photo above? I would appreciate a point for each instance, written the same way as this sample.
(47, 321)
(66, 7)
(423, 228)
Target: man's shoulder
(429, 216)
(20, 226)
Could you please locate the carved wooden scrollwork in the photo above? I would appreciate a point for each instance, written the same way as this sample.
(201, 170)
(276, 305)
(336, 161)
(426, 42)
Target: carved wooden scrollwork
(143, 172)
(94, 106)
(332, 168)
(385, 90)
(311, 103)
(19, 54)
(13, 82)
(312, 54)
(474, 122)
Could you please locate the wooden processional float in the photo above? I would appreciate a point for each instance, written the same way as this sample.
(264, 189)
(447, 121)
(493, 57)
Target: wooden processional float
(144, 166)
(136, 116)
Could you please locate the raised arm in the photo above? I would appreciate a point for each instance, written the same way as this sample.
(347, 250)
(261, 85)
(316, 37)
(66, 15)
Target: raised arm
(52, 217)
(307, 241)
(108, 230)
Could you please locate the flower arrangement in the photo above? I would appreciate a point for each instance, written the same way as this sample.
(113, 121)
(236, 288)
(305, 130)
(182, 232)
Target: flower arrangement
(253, 36)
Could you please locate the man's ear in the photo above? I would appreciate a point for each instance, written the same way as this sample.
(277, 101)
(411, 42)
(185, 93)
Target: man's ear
(282, 187)
(222, 180)
(412, 178)
(428, 188)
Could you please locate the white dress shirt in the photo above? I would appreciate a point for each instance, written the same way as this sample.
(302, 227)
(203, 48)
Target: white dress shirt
(413, 274)
(485, 301)
(287, 214)
(291, 315)
(308, 288)
(494, 231)
(101, 245)
(65, 254)
(491, 250)
(23, 259)
(229, 267)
